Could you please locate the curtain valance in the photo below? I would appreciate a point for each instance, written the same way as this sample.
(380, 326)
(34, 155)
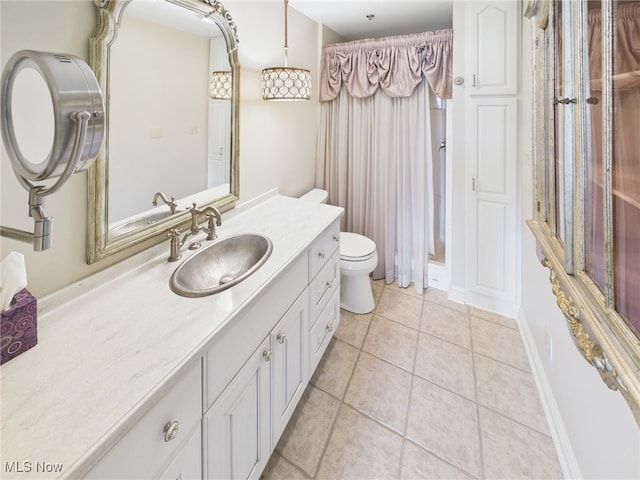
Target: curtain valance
(395, 64)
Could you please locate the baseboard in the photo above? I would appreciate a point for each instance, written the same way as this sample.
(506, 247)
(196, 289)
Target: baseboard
(438, 277)
(456, 294)
(566, 457)
(492, 304)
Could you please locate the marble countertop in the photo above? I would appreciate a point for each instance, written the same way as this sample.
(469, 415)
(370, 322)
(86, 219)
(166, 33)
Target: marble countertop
(111, 345)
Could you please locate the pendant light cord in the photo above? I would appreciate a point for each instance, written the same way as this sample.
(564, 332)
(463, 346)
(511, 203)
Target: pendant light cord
(286, 41)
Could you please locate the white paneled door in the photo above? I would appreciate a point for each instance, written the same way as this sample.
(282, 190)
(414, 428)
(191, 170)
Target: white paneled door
(492, 152)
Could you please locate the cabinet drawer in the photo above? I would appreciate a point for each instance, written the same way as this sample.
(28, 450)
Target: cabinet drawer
(188, 463)
(146, 449)
(324, 284)
(323, 247)
(322, 330)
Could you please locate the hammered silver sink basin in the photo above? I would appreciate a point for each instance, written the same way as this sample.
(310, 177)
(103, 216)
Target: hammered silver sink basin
(221, 265)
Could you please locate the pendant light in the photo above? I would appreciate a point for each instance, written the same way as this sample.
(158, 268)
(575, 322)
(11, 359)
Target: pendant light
(286, 83)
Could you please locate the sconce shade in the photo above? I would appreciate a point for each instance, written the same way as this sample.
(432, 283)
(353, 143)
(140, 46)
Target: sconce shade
(286, 83)
(221, 85)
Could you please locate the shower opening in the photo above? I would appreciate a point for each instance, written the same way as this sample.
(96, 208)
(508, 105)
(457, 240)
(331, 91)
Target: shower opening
(439, 146)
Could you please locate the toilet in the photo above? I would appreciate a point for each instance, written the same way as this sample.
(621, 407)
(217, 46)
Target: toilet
(358, 258)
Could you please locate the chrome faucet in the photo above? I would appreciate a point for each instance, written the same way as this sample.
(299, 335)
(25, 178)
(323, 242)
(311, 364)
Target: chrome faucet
(172, 204)
(213, 219)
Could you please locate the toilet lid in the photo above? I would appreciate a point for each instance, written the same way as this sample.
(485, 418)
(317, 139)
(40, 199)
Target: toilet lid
(353, 245)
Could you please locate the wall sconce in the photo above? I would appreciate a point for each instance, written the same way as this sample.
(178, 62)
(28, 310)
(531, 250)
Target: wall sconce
(286, 83)
(221, 85)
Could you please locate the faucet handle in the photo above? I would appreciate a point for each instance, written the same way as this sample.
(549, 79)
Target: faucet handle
(174, 235)
(173, 205)
(211, 226)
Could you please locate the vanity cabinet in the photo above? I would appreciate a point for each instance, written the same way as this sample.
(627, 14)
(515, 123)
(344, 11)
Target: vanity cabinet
(231, 408)
(247, 417)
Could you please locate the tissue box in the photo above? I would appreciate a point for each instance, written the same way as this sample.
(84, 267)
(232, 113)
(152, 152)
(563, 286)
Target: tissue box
(19, 326)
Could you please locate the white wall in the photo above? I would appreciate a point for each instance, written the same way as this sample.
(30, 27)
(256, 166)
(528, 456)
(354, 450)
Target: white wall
(601, 430)
(456, 247)
(277, 140)
(151, 147)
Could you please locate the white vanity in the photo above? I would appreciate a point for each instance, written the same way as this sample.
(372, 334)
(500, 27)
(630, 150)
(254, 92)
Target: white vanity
(130, 380)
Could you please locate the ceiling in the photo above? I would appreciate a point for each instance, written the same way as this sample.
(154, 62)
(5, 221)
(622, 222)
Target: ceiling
(348, 18)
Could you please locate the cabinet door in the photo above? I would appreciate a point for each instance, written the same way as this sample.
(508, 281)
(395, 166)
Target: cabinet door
(493, 47)
(492, 264)
(289, 342)
(237, 437)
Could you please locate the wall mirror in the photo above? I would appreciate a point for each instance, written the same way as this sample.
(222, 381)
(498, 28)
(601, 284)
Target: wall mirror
(587, 178)
(169, 74)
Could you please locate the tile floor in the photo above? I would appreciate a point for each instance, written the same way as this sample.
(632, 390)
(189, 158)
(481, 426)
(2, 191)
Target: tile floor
(420, 388)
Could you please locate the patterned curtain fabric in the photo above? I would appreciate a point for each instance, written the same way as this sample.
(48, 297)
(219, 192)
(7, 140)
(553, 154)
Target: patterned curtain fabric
(394, 64)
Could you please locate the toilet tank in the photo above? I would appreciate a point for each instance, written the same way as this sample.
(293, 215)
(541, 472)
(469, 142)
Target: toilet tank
(316, 195)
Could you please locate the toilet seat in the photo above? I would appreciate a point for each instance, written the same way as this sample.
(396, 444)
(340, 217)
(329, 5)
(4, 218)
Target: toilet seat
(355, 247)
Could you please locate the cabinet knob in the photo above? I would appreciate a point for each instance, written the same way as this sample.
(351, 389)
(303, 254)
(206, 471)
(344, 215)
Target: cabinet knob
(329, 283)
(170, 430)
(336, 237)
(267, 354)
(330, 327)
(321, 255)
(282, 338)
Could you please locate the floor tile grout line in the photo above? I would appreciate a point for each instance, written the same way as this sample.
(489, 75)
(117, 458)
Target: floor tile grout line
(344, 394)
(482, 472)
(296, 467)
(502, 362)
(511, 419)
(413, 375)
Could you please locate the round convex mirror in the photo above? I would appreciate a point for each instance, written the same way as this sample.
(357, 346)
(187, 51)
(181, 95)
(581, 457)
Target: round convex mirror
(33, 117)
(53, 120)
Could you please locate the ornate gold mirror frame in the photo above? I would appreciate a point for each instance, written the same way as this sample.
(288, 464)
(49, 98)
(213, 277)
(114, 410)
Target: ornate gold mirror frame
(100, 243)
(601, 335)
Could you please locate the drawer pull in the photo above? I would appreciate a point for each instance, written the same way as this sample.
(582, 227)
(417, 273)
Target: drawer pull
(336, 237)
(267, 354)
(329, 283)
(330, 327)
(282, 338)
(321, 255)
(170, 430)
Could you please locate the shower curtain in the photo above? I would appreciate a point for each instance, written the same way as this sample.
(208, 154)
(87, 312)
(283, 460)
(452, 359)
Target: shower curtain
(374, 152)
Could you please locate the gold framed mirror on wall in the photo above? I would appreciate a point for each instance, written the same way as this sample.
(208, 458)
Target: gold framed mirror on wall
(587, 179)
(169, 73)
